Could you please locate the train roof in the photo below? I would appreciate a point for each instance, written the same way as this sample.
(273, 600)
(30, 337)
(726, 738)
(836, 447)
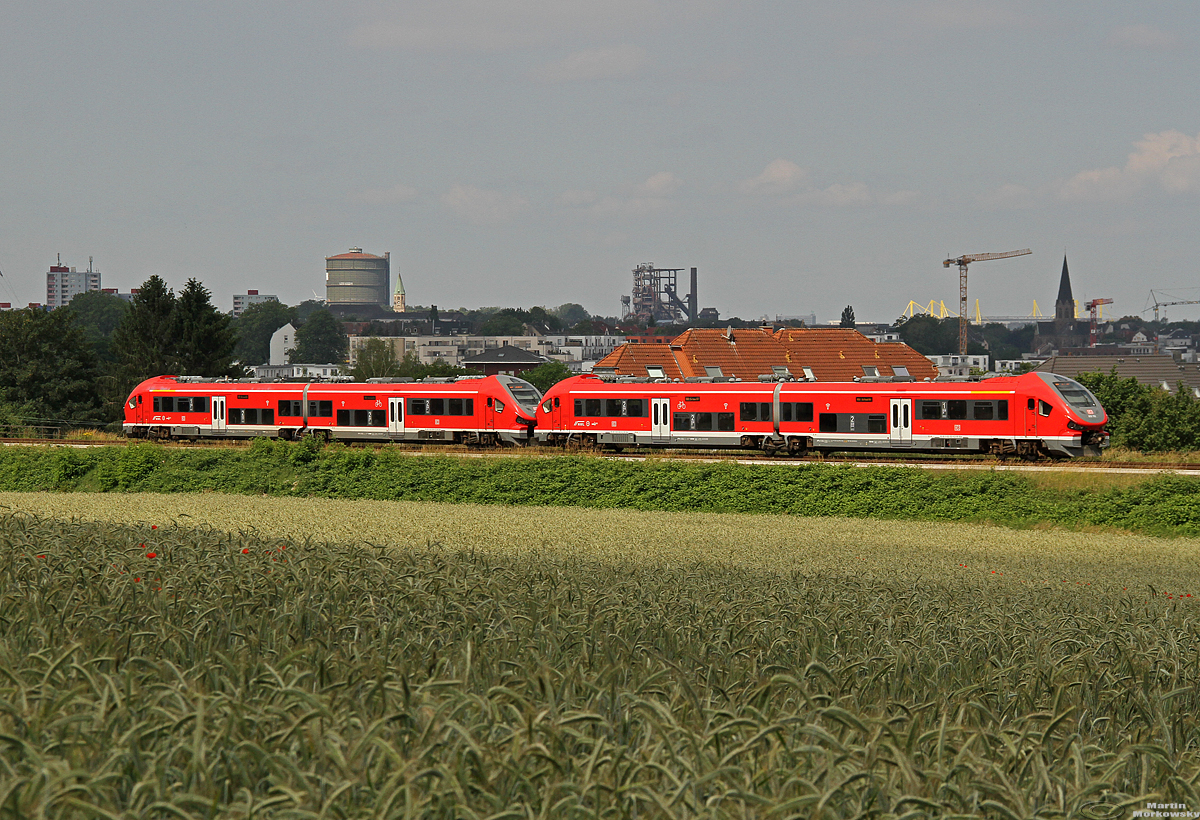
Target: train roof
(182, 384)
(717, 385)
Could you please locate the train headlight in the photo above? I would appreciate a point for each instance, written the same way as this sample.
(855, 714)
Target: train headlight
(1071, 425)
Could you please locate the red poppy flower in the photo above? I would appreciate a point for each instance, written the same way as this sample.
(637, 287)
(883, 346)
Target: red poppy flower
(137, 580)
(154, 526)
(152, 555)
(245, 551)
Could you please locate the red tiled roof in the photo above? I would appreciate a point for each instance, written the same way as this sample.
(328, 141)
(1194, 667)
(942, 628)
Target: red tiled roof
(632, 359)
(837, 354)
(833, 354)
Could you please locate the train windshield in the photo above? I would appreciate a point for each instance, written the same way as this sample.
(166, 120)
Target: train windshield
(524, 393)
(1075, 393)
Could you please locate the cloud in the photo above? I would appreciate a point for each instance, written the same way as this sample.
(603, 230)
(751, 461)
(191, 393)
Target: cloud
(483, 206)
(1169, 160)
(644, 198)
(787, 182)
(779, 177)
(595, 64)
(389, 196)
(664, 183)
(1142, 36)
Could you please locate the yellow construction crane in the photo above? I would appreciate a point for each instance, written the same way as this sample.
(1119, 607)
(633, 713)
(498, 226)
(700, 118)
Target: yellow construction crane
(962, 262)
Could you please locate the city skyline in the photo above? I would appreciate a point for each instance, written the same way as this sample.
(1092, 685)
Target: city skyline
(522, 152)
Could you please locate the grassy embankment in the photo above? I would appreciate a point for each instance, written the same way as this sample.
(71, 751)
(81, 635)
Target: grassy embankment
(1163, 505)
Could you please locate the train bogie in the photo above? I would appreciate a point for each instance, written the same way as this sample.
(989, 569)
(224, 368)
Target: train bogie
(481, 411)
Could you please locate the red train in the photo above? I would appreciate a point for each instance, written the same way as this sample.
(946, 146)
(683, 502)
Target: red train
(487, 411)
(1033, 415)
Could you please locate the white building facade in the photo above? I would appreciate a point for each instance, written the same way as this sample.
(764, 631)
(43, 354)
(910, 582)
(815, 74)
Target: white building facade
(577, 352)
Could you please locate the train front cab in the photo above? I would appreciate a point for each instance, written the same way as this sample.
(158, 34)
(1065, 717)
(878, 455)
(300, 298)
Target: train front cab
(1065, 417)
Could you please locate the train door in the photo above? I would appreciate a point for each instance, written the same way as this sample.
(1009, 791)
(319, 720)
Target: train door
(396, 416)
(218, 414)
(489, 412)
(1031, 414)
(901, 428)
(660, 424)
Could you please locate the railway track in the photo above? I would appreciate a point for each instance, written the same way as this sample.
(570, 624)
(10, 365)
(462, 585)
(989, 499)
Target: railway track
(710, 457)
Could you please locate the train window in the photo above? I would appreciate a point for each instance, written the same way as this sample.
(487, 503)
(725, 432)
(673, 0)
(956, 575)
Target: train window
(877, 423)
(455, 406)
(803, 411)
(367, 418)
(164, 404)
(612, 407)
(748, 411)
(437, 407)
(895, 416)
(635, 408)
(343, 418)
(499, 406)
(1030, 404)
(251, 415)
(704, 421)
(682, 421)
(320, 409)
(725, 422)
(828, 422)
(785, 411)
(983, 410)
(555, 402)
(1002, 409)
(288, 408)
(1044, 408)
(931, 409)
(764, 411)
(956, 409)
(546, 405)
(591, 407)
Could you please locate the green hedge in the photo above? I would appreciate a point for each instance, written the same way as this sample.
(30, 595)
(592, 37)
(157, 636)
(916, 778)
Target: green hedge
(1166, 505)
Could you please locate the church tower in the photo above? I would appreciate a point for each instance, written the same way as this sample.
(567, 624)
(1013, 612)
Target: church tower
(1064, 305)
(398, 295)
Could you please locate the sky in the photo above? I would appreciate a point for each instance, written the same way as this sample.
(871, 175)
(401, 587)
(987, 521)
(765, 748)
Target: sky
(804, 156)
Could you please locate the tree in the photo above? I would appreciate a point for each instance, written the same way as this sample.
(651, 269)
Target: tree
(506, 322)
(145, 338)
(48, 371)
(204, 340)
(256, 326)
(319, 340)
(375, 361)
(545, 376)
(571, 313)
(99, 314)
(847, 317)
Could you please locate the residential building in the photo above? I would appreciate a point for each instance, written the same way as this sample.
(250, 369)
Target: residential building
(63, 283)
(578, 352)
(251, 297)
(956, 366)
(506, 360)
(283, 342)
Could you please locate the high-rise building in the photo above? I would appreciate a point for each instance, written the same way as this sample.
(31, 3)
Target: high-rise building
(63, 284)
(251, 297)
(358, 279)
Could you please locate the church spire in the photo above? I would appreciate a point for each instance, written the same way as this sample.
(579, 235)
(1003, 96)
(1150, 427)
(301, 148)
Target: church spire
(1064, 306)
